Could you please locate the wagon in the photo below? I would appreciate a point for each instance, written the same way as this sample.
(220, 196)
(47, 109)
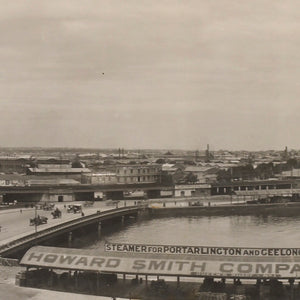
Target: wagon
(38, 220)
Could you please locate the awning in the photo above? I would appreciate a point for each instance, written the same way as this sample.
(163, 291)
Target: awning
(244, 266)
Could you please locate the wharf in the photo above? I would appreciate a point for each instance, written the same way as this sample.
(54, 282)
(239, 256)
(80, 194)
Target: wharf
(280, 209)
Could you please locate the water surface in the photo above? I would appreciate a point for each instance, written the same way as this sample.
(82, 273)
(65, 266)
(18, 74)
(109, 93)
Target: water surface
(227, 231)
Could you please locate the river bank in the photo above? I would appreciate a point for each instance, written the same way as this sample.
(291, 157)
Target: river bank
(280, 209)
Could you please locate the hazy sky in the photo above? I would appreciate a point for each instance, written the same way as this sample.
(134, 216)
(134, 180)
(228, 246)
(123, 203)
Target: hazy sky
(177, 74)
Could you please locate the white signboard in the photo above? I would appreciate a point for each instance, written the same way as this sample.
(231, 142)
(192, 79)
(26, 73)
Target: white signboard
(201, 250)
(208, 266)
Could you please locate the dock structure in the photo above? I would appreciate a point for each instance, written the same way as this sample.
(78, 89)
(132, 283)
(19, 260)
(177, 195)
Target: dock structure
(92, 269)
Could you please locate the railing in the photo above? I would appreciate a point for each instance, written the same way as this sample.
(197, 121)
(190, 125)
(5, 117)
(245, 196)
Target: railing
(64, 226)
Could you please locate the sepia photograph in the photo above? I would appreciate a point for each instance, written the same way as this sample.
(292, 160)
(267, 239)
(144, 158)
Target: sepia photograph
(149, 150)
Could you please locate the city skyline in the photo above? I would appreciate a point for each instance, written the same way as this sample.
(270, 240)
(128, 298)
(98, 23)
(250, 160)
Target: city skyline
(159, 75)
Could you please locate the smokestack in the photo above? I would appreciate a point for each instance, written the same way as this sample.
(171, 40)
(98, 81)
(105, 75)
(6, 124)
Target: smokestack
(207, 156)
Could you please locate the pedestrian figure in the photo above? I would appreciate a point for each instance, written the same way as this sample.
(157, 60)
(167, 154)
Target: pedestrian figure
(20, 211)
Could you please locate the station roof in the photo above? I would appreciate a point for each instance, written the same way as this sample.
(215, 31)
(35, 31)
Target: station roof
(254, 183)
(272, 192)
(59, 170)
(268, 263)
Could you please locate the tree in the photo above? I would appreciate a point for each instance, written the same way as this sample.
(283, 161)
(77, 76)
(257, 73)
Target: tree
(167, 179)
(292, 163)
(243, 172)
(191, 178)
(76, 162)
(264, 171)
(224, 176)
(160, 161)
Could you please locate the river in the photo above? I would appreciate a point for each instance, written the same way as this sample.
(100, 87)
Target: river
(224, 231)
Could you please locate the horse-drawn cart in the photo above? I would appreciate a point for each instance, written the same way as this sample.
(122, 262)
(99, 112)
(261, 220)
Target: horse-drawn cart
(38, 220)
(56, 213)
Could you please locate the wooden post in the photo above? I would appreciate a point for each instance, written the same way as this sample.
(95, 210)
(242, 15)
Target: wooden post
(97, 282)
(99, 229)
(76, 279)
(50, 282)
(291, 282)
(70, 239)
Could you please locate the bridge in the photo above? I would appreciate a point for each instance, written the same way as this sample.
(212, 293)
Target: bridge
(23, 243)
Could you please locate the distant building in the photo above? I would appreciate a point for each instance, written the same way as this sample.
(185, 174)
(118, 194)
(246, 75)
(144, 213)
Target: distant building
(52, 162)
(99, 178)
(251, 185)
(192, 190)
(13, 180)
(73, 173)
(169, 168)
(51, 181)
(125, 174)
(14, 164)
(27, 180)
(138, 173)
(205, 174)
(54, 166)
(293, 174)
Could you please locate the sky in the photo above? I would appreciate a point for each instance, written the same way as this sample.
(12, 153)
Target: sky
(150, 74)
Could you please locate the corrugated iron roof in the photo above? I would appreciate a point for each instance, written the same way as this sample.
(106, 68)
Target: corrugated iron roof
(162, 264)
(60, 170)
(273, 192)
(52, 181)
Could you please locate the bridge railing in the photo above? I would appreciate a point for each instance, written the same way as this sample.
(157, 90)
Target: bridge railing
(64, 225)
